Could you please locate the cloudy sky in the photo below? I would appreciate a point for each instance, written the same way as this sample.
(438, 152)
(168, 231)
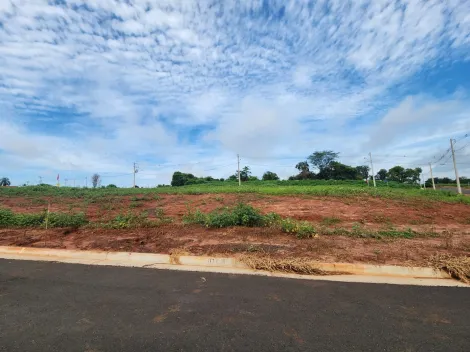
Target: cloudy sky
(94, 86)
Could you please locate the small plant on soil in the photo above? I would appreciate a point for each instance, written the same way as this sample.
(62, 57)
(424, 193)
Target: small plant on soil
(162, 218)
(66, 220)
(328, 221)
(302, 229)
(129, 220)
(194, 217)
(11, 219)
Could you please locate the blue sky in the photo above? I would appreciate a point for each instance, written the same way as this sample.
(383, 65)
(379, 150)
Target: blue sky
(93, 86)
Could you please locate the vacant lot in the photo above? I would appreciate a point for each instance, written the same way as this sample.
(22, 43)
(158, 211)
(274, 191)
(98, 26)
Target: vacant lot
(390, 226)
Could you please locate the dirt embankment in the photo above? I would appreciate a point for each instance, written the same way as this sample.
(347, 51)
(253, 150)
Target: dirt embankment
(450, 222)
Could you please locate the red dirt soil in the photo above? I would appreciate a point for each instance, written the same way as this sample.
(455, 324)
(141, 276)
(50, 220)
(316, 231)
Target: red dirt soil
(371, 213)
(233, 241)
(314, 209)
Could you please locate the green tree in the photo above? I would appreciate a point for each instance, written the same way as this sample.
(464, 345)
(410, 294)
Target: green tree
(245, 174)
(413, 175)
(339, 171)
(400, 174)
(363, 171)
(381, 175)
(396, 173)
(321, 160)
(270, 176)
(304, 172)
(180, 179)
(5, 181)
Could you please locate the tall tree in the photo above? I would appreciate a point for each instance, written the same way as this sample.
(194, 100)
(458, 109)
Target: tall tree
(95, 180)
(396, 173)
(413, 175)
(321, 160)
(363, 171)
(304, 172)
(339, 171)
(270, 176)
(245, 173)
(381, 175)
(400, 174)
(5, 181)
(180, 179)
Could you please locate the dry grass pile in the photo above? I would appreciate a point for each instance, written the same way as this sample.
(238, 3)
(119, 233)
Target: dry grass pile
(457, 267)
(287, 265)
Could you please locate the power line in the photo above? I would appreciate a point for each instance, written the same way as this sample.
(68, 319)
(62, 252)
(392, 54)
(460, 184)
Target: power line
(465, 136)
(465, 146)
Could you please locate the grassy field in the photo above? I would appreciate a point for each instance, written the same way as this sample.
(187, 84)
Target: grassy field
(312, 188)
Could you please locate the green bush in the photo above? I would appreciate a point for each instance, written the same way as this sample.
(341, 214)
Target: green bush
(246, 215)
(302, 229)
(240, 215)
(224, 218)
(66, 220)
(196, 217)
(7, 218)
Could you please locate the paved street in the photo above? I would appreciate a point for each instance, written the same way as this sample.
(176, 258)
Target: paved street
(66, 307)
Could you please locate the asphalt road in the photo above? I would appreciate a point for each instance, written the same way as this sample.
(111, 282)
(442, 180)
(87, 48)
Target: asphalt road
(66, 307)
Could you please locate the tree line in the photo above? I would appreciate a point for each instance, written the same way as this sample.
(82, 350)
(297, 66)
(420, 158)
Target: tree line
(320, 165)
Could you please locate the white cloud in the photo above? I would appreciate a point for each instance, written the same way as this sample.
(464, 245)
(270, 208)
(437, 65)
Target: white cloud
(271, 81)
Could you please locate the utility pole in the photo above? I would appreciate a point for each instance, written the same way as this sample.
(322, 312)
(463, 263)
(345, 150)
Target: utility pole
(432, 178)
(135, 171)
(86, 182)
(372, 169)
(239, 181)
(66, 182)
(459, 190)
(424, 182)
(40, 179)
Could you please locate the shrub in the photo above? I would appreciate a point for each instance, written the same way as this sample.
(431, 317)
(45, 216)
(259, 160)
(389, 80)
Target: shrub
(66, 220)
(302, 229)
(224, 218)
(240, 215)
(246, 215)
(6, 218)
(196, 217)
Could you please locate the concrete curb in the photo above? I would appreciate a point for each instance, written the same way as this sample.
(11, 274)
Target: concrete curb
(379, 273)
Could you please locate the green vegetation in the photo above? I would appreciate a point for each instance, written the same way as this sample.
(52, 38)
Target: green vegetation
(319, 188)
(245, 215)
(330, 220)
(136, 220)
(270, 176)
(11, 219)
(360, 231)
(128, 220)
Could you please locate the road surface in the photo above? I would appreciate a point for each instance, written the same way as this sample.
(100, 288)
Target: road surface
(66, 307)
